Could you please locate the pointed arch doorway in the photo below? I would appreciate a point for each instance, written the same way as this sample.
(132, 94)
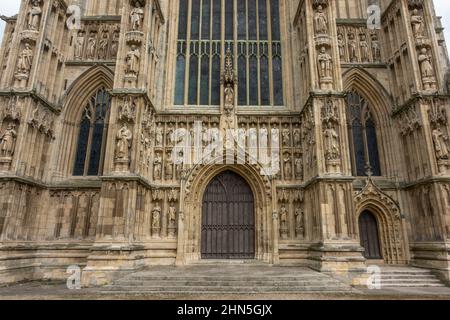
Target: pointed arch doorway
(369, 233)
(228, 219)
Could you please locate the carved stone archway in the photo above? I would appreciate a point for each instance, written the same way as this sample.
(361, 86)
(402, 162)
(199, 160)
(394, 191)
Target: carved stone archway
(390, 223)
(193, 189)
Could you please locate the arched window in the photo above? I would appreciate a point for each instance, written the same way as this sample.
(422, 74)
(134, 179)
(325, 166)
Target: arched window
(250, 29)
(92, 135)
(362, 136)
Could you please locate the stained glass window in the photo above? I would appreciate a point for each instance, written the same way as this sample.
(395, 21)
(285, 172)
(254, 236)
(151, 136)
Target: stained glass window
(92, 135)
(251, 29)
(362, 136)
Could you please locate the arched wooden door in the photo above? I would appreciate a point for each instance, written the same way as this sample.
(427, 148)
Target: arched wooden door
(370, 240)
(228, 219)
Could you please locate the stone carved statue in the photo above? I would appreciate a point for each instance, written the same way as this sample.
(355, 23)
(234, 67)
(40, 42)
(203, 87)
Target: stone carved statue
(376, 50)
(286, 136)
(156, 217)
(133, 58)
(417, 23)
(229, 99)
(325, 63)
(123, 145)
(25, 60)
(364, 48)
(287, 166)
(127, 111)
(331, 142)
(91, 45)
(341, 46)
(172, 215)
(425, 64)
(157, 166)
(352, 48)
(159, 136)
(8, 141)
(136, 17)
(283, 222)
(297, 137)
(34, 15)
(440, 141)
(299, 223)
(320, 21)
(79, 46)
(298, 167)
(168, 167)
(103, 46)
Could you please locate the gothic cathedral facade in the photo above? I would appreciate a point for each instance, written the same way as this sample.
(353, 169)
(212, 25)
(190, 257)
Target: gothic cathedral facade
(105, 107)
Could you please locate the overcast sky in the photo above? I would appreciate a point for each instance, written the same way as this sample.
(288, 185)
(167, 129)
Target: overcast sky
(11, 7)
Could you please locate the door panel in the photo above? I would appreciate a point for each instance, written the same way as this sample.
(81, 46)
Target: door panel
(228, 219)
(368, 230)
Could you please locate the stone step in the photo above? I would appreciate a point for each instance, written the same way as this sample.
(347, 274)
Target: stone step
(230, 289)
(411, 285)
(195, 283)
(230, 279)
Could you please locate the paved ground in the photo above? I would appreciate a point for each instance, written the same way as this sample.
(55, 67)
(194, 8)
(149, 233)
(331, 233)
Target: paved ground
(58, 291)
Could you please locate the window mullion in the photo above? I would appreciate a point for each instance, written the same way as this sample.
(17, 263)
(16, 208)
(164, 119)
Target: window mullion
(188, 54)
(258, 50)
(91, 134)
(270, 53)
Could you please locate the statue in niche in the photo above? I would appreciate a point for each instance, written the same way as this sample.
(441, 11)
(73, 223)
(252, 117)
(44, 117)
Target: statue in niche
(286, 135)
(172, 215)
(352, 51)
(103, 46)
(79, 45)
(376, 50)
(127, 111)
(25, 60)
(136, 16)
(169, 135)
(229, 99)
(8, 141)
(297, 136)
(157, 166)
(283, 218)
(321, 21)
(123, 145)
(440, 141)
(341, 46)
(364, 47)
(287, 166)
(92, 45)
(168, 168)
(298, 167)
(425, 64)
(159, 136)
(417, 23)
(300, 223)
(331, 142)
(133, 57)
(325, 63)
(115, 43)
(156, 217)
(34, 15)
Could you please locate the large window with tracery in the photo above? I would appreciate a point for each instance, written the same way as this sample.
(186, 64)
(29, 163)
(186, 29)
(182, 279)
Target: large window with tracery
(250, 29)
(362, 136)
(92, 135)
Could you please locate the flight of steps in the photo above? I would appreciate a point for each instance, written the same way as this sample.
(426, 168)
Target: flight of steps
(226, 280)
(408, 277)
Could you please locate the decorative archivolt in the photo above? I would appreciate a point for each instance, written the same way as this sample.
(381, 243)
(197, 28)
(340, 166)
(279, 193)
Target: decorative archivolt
(84, 88)
(388, 215)
(372, 91)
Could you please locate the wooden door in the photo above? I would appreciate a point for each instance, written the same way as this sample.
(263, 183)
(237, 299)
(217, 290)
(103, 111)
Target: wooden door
(368, 229)
(228, 219)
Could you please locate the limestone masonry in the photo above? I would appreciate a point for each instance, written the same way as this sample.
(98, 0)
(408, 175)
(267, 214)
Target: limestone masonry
(348, 104)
